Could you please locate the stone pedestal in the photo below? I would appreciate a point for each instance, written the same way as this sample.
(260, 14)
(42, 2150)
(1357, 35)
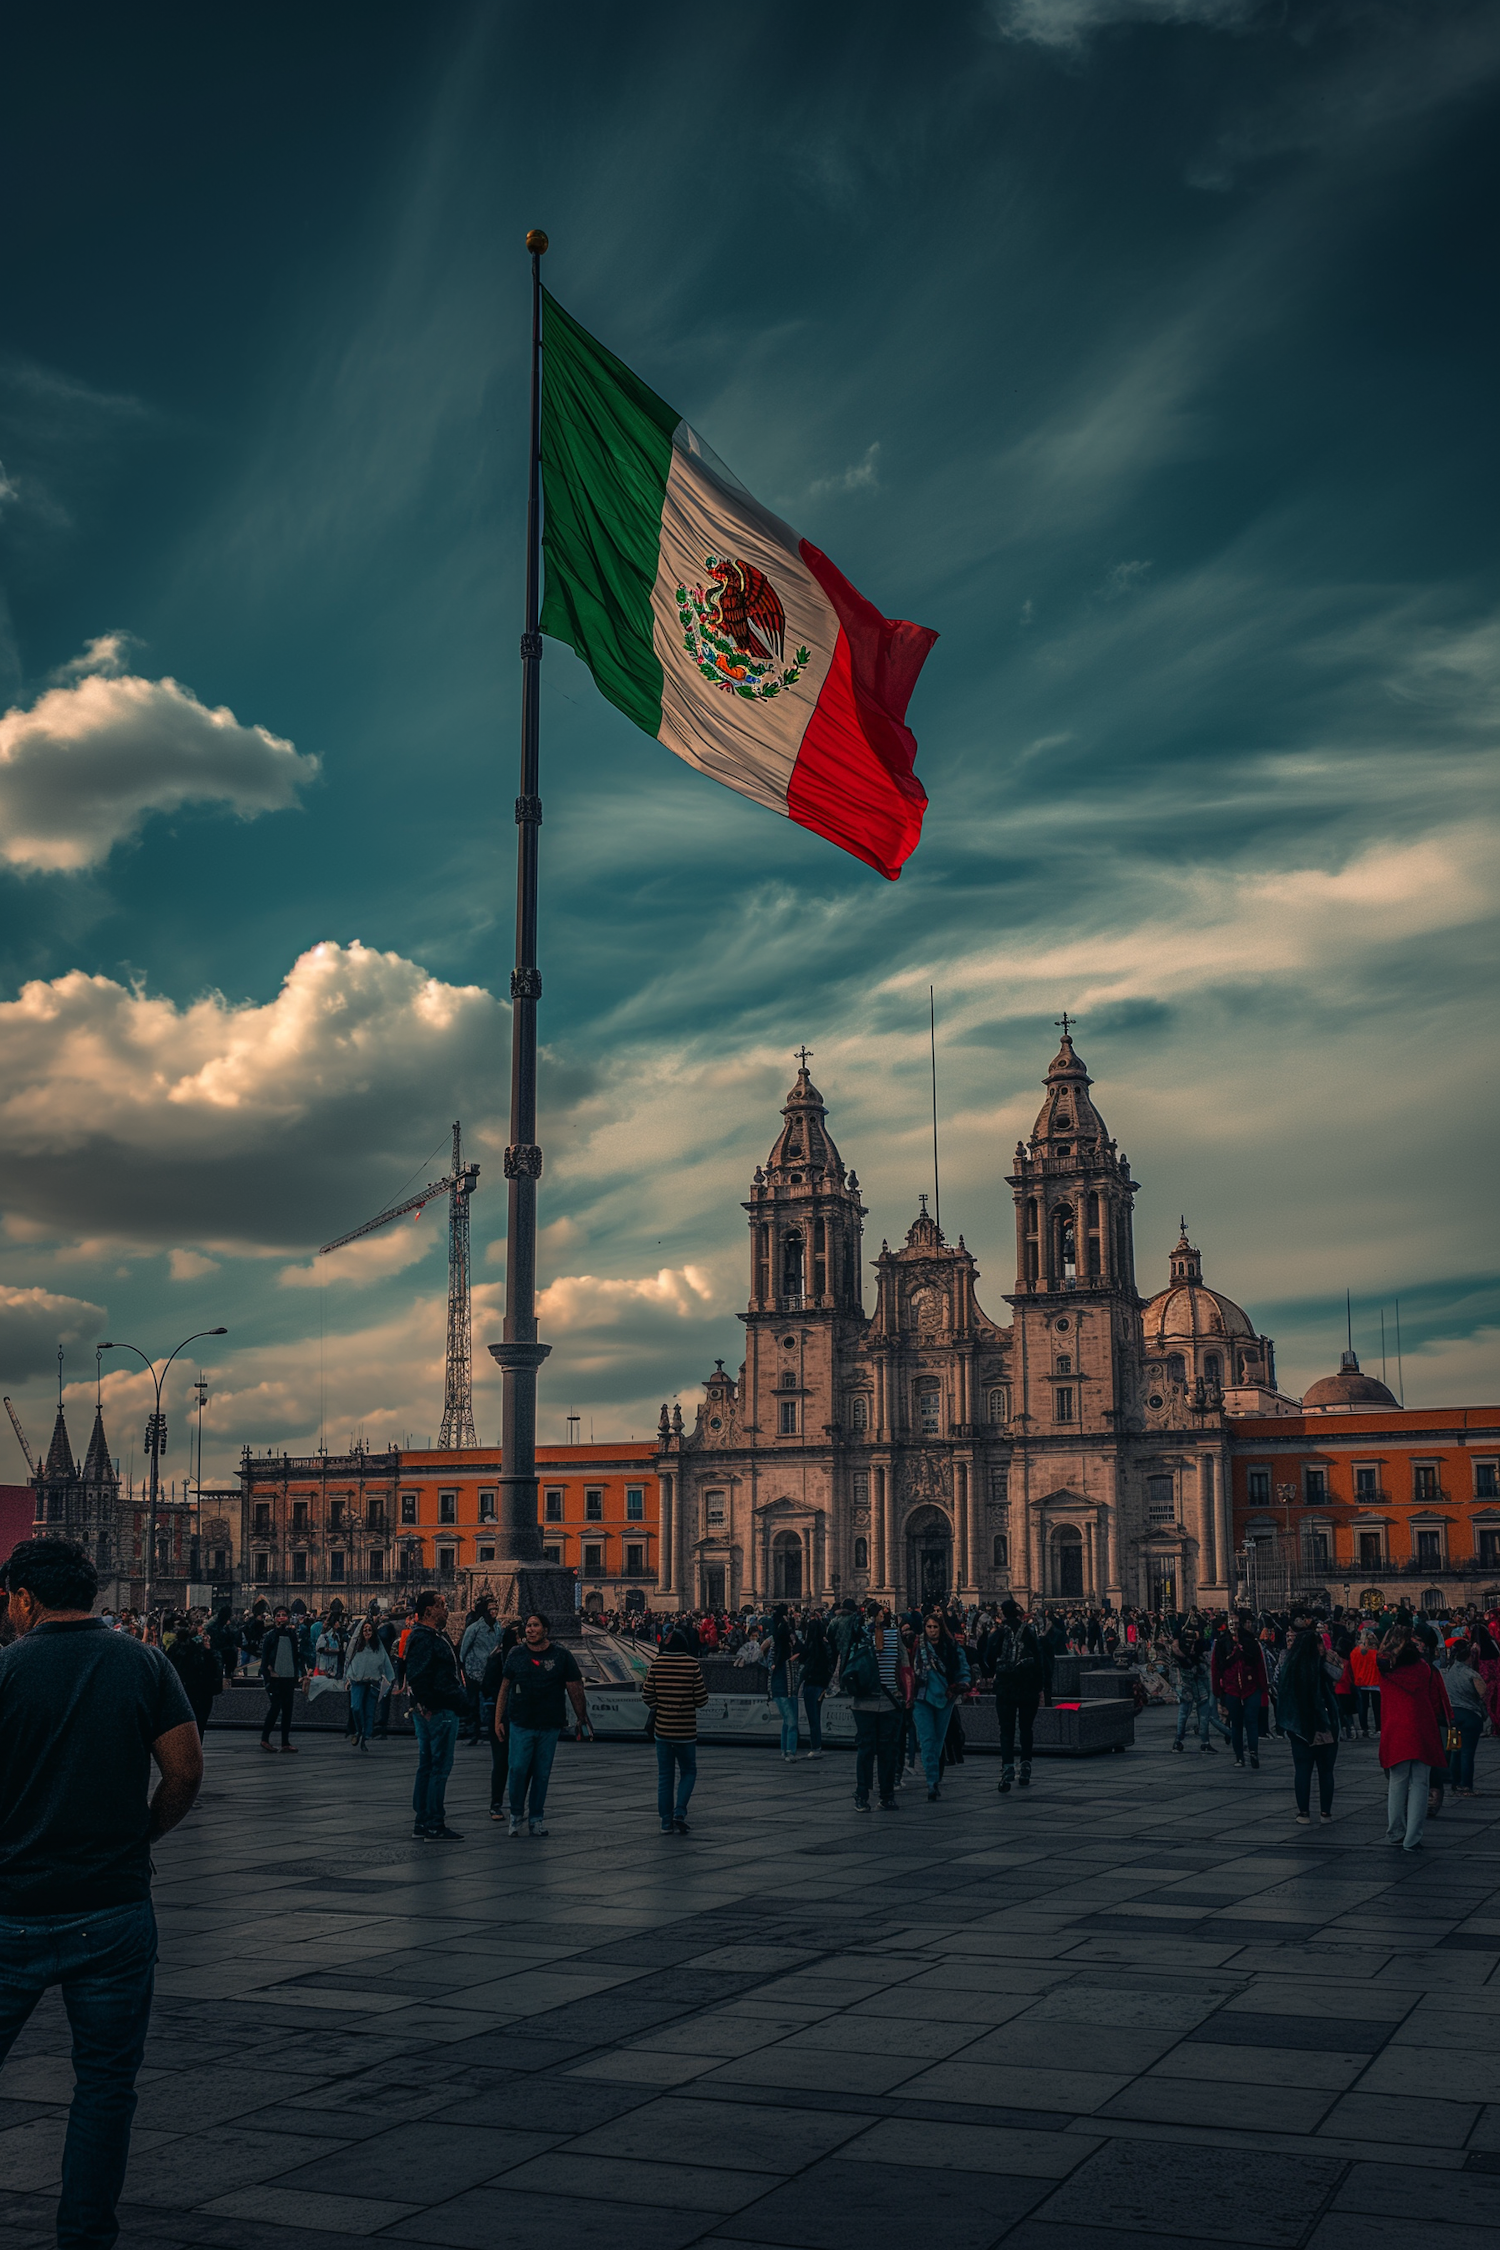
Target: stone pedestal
(519, 1588)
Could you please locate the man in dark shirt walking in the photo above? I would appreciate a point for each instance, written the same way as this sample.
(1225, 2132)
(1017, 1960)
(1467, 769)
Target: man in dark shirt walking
(438, 1703)
(83, 1712)
(530, 1713)
(282, 1670)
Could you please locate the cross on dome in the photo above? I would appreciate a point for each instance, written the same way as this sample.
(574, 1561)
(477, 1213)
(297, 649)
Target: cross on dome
(804, 1056)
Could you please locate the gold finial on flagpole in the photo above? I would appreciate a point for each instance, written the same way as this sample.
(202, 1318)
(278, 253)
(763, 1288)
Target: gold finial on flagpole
(536, 242)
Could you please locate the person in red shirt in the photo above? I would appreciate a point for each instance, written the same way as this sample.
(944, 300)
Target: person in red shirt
(1238, 1674)
(1415, 1715)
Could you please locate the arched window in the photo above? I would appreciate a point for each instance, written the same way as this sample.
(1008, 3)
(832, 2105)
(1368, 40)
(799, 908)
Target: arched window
(1032, 1241)
(788, 1381)
(1002, 1551)
(820, 1259)
(1176, 1368)
(1213, 1370)
(791, 1263)
(859, 1411)
(762, 1263)
(999, 1403)
(861, 1554)
(929, 1407)
(1067, 1243)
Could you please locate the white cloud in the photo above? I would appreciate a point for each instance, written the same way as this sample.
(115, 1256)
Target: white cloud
(33, 1322)
(586, 1301)
(1068, 23)
(260, 1126)
(862, 476)
(84, 767)
(404, 1242)
(1123, 579)
(190, 1265)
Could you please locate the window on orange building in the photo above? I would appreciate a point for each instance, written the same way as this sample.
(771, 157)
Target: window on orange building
(336, 1562)
(377, 1563)
(1315, 1487)
(1366, 1483)
(554, 1506)
(262, 1569)
(487, 1507)
(487, 1552)
(635, 1561)
(593, 1504)
(408, 1507)
(552, 1554)
(1424, 1484)
(299, 1568)
(1258, 1486)
(1487, 1480)
(593, 1560)
(447, 1559)
(635, 1504)
(447, 1507)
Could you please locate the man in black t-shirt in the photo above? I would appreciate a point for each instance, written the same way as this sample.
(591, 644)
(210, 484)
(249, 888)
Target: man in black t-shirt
(83, 1713)
(529, 1710)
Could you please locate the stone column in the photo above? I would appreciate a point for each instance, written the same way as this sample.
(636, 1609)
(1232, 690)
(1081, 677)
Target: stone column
(888, 1522)
(1036, 1583)
(976, 1507)
(960, 1527)
(1208, 1541)
(1090, 1580)
(665, 1538)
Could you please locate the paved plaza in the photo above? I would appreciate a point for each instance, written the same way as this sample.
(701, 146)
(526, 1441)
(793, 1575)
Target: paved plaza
(1133, 2005)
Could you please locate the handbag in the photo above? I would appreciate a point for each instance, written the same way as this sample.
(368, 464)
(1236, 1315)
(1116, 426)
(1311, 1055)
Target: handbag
(1452, 1740)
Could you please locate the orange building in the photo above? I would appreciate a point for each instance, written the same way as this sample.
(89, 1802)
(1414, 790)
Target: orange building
(1369, 1503)
(362, 1524)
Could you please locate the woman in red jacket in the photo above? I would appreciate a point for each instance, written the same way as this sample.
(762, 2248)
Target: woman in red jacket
(1414, 1717)
(1238, 1673)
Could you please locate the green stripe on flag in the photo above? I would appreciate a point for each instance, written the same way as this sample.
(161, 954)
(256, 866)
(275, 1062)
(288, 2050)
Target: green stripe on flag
(606, 454)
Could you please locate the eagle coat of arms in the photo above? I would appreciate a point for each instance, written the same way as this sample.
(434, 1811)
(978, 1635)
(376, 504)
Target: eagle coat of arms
(734, 630)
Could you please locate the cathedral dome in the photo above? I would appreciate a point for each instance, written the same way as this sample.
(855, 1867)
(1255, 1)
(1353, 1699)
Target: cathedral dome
(1187, 1310)
(804, 1147)
(1190, 1310)
(1348, 1392)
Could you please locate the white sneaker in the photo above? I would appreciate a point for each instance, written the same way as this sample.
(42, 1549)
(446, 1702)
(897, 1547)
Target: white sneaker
(539, 1828)
(516, 1825)
(815, 1753)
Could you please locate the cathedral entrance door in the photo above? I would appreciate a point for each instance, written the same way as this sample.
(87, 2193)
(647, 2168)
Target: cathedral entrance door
(713, 1586)
(929, 1556)
(786, 1567)
(1067, 1561)
(1163, 1582)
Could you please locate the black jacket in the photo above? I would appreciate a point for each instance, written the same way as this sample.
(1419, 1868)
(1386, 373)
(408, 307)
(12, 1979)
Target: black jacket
(272, 1635)
(432, 1675)
(1018, 1657)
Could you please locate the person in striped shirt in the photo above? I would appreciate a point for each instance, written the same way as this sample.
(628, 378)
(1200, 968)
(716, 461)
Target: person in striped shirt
(676, 1692)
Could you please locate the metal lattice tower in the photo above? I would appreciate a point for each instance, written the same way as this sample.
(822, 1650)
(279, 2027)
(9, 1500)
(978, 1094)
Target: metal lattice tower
(457, 1433)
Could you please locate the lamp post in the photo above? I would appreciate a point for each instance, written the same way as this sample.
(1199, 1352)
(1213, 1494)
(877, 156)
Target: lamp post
(154, 1438)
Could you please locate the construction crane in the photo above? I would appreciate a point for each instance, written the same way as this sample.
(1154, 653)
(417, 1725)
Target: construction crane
(15, 1423)
(458, 1382)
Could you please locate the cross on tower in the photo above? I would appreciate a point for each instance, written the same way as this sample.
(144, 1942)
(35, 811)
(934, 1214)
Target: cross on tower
(1063, 1021)
(803, 1054)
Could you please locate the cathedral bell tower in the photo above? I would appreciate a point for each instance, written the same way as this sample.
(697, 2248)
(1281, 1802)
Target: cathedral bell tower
(1077, 1336)
(806, 1219)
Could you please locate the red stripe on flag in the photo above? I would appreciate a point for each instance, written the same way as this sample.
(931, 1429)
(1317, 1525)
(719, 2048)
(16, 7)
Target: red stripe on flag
(853, 782)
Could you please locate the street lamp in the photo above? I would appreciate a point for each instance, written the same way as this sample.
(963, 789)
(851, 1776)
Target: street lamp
(154, 1438)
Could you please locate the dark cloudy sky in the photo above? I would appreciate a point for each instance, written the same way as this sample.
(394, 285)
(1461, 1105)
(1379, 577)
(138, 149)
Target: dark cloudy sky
(1145, 348)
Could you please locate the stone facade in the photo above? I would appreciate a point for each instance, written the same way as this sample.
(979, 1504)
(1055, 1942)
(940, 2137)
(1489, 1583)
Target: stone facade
(1081, 1450)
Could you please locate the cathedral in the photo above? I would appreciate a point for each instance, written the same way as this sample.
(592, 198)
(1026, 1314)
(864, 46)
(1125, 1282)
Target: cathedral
(1077, 1450)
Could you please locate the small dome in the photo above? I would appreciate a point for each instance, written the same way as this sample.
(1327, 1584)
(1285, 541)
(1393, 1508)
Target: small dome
(1347, 1391)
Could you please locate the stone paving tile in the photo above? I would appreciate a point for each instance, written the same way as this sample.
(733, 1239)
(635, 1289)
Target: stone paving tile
(964, 2210)
(927, 2007)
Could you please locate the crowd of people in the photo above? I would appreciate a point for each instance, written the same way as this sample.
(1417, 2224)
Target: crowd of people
(1423, 1689)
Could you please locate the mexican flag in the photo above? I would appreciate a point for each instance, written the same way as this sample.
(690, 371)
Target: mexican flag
(706, 620)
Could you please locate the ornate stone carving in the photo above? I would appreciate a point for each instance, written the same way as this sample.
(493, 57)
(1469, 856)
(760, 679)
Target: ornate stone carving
(927, 1476)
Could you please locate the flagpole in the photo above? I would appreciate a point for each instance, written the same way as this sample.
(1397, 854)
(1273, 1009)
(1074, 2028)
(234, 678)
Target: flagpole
(518, 1540)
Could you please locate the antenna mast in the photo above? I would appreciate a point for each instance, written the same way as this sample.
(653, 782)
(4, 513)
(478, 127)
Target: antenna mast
(457, 1433)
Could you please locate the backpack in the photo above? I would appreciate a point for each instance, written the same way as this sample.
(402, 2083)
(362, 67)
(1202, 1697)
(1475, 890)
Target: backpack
(861, 1672)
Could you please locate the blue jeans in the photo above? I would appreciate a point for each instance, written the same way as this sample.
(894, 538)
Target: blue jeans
(812, 1704)
(364, 1702)
(531, 1750)
(435, 1740)
(1195, 1701)
(787, 1706)
(1470, 1725)
(1244, 1723)
(106, 1966)
(932, 1731)
(1406, 1788)
(684, 1756)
